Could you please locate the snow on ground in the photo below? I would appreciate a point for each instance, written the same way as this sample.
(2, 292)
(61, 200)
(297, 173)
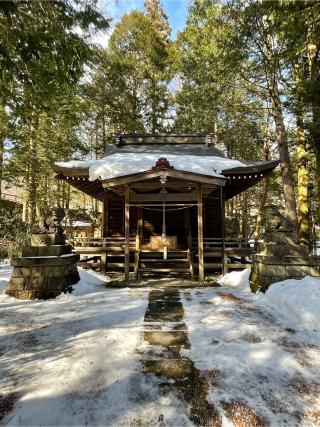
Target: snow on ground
(77, 360)
(256, 362)
(5, 273)
(297, 299)
(236, 278)
(72, 361)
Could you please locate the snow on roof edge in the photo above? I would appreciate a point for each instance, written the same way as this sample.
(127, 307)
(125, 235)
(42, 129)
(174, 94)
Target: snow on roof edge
(122, 164)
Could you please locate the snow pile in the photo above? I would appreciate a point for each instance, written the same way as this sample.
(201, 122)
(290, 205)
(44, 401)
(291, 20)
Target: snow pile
(89, 281)
(5, 273)
(297, 299)
(129, 163)
(236, 278)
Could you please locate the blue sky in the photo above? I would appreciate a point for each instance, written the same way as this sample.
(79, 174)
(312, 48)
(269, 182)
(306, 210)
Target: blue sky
(175, 9)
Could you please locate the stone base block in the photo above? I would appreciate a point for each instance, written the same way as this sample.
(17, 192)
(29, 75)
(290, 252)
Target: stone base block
(42, 277)
(44, 251)
(267, 269)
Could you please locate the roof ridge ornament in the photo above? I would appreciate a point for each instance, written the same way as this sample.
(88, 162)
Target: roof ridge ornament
(162, 164)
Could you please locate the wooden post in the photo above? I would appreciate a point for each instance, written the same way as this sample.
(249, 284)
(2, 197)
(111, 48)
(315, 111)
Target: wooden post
(127, 234)
(104, 222)
(140, 225)
(200, 235)
(188, 229)
(224, 257)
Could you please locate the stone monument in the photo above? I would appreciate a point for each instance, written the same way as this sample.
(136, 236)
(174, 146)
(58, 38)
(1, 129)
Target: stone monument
(281, 256)
(47, 267)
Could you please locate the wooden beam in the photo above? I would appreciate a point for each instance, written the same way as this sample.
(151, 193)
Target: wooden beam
(200, 235)
(169, 184)
(173, 173)
(163, 197)
(127, 234)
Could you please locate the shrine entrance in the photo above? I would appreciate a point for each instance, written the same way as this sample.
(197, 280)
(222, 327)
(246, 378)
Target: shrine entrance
(163, 199)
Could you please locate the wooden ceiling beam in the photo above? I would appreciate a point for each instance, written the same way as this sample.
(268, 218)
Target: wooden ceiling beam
(163, 197)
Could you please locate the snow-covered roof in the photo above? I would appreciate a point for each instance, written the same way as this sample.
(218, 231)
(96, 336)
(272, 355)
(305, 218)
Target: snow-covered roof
(122, 164)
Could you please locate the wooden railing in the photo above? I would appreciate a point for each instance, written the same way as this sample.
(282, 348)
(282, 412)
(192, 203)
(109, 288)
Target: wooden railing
(101, 242)
(211, 243)
(232, 252)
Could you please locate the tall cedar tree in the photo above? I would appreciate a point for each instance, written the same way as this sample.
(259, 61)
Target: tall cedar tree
(40, 56)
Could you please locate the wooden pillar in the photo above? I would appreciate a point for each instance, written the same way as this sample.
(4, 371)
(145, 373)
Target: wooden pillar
(222, 209)
(140, 225)
(127, 234)
(200, 235)
(188, 228)
(104, 223)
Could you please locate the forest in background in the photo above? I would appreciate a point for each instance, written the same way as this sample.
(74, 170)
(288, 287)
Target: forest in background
(247, 72)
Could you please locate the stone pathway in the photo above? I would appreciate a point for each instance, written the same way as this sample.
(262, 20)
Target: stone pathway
(237, 364)
(166, 334)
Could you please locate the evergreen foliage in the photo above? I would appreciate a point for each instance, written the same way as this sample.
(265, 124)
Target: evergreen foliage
(246, 72)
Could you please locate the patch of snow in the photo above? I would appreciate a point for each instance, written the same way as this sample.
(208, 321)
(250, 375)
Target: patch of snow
(82, 224)
(121, 164)
(252, 357)
(299, 300)
(236, 278)
(5, 274)
(72, 360)
(89, 281)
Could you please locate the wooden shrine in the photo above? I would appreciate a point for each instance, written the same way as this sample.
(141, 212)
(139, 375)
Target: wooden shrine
(163, 203)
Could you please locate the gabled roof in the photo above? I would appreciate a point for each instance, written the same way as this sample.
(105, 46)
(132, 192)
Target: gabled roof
(136, 154)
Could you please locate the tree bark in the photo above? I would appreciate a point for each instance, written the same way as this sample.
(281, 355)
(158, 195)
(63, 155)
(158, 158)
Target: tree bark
(265, 181)
(314, 70)
(281, 138)
(33, 185)
(33, 169)
(303, 183)
(3, 132)
(244, 216)
(1, 163)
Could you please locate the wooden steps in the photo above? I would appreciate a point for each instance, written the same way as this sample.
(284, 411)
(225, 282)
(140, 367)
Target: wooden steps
(152, 263)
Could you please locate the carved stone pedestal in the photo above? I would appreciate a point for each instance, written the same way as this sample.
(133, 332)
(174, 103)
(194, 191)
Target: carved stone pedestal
(43, 272)
(279, 262)
(281, 257)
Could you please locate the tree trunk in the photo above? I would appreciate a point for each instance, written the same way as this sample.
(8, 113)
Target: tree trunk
(314, 70)
(265, 184)
(33, 185)
(303, 182)
(281, 138)
(3, 132)
(33, 169)
(1, 163)
(244, 216)
(154, 112)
